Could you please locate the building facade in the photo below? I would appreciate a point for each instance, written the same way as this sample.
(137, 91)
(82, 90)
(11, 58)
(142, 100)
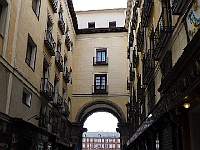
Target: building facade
(35, 62)
(41, 51)
(99, 80)
(163, 53)
(101, 140)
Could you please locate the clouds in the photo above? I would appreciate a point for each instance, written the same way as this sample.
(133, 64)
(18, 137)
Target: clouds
(101, 121)
(98, 4)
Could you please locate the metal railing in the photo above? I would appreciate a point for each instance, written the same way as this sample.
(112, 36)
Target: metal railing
(100, 61)
(46, 88)
(49, 42)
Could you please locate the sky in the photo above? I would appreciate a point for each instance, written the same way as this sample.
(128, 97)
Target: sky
(101, 121)
(98, 4)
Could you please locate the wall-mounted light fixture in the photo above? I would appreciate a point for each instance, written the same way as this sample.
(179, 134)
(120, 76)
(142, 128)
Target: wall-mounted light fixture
(186, 105)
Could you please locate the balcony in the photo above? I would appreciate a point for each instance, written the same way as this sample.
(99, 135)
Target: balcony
(177, 6)
(128, 52)
(49, 42)
(131, 37)
(166, 65)
(162, 33)
(148, 67)
(140, 38)
(54, 5)
(65, 109)
(128, 83)
(100, 61)
(135, 58)
(100, 89)
(151, 96)
(146, 12)
(46, 89)
(134, 18)
(132, 74)
(59, 61)
(57, 101)
(54, 127)
(66, 75)
(61, 23)
(67, 42)
(43, 120)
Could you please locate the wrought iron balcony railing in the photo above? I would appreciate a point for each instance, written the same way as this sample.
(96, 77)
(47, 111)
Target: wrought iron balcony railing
(59, 61)
(148, 67)
(66, 75)
(140, 38)
(128, 83)
(131, 37)
(49, 42)
(128, 52)
(57, 101)
(46, 89)
(162, 33)
(166, 64)
(61, 24)
(43, 120)
(142, 109)
(135, 58)
(100, 89)
(151, 96)
(134, 18)
(65, 109)
(55, 127)
(100, 61)
(67, 42)
(54, 5)
(177, 6)
(146, 12)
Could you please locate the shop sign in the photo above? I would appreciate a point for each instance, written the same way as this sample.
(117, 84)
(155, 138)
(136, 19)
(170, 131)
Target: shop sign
(193, 19)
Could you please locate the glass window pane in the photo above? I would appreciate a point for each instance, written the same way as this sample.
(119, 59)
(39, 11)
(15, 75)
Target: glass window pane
(103, 56)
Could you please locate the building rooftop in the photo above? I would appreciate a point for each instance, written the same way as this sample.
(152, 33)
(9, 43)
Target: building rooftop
(102, 134)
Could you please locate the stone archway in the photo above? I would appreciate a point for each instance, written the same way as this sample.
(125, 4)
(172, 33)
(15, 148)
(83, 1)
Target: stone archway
(98, 105)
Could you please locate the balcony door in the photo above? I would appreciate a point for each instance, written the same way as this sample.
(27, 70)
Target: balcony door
(101, 55)
(100, 83)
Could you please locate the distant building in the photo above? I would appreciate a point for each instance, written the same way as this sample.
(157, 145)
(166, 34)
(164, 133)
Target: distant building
(101, 140)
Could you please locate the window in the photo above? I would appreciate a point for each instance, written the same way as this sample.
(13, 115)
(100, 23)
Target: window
(3, 15)
(100, 83)
(112, 24)
(91, 25)
(118, 145)
(36, 7)
(31, 53)
(26, 97)
(110, 145)
(102, 146)
(1, 7)
(101, 57)
(83, 145)
(91, 140)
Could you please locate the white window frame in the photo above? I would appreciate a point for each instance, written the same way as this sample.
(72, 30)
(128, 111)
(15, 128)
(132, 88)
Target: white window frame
(28, 96)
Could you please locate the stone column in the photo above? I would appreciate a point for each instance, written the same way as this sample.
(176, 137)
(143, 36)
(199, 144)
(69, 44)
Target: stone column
(76, 134)
(124, 134)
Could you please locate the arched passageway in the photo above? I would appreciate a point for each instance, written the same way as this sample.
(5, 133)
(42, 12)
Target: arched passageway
(98, 106)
